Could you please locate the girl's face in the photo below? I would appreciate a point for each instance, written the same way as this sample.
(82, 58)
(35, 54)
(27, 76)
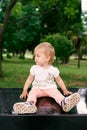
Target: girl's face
(41, 59)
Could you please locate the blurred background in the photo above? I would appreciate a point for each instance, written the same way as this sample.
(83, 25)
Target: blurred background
(24, 24)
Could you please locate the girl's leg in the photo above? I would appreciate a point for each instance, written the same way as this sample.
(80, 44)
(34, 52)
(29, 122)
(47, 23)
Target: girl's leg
(28, 106)
(66, 103)
(56, 94)
(34, 94)
(52, 92)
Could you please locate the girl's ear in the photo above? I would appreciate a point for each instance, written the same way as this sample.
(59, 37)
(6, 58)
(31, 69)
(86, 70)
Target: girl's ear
(48, 58)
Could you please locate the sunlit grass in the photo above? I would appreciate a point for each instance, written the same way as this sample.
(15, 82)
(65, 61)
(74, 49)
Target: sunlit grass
(15, 72)
(74, 76)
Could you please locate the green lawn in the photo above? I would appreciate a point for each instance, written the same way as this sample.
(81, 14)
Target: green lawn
(15, 72)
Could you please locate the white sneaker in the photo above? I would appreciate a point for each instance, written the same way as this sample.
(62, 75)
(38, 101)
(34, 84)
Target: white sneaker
(24, 108)
(69, 102)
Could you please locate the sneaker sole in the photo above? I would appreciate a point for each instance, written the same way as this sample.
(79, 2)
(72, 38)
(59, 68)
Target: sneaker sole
(71, 102)
(22, 108)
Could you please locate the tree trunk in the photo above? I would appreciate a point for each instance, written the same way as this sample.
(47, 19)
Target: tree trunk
(2, 30)
(77, 41)
(78, 52)
(0, 62)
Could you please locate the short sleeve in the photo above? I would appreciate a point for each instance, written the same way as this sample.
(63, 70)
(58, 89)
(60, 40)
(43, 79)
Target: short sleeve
(56, 72)
(32, 70)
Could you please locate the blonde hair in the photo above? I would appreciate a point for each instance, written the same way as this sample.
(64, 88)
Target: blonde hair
(48, 50)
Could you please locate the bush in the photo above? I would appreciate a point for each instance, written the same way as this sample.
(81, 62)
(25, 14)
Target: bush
(63, 46)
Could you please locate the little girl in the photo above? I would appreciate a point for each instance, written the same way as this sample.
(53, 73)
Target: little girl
(44, 78)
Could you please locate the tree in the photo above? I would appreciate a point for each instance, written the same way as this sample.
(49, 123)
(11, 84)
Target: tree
(2, 30)
(61, 15)
(26, 29)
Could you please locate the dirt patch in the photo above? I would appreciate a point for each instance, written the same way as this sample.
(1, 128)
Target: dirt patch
(79, 83)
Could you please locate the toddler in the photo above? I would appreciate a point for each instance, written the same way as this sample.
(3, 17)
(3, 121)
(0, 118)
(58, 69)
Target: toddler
(44, 78)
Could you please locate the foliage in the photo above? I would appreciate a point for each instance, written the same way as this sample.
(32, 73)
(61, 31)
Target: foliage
(17, 10)
(27, 26)
(71, 10)
(2, 30)
(25, 32)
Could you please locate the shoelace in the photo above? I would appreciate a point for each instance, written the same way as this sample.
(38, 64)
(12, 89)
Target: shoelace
(29, 103)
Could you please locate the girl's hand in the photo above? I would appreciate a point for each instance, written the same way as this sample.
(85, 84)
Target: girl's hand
(24, 95)
(66, 92)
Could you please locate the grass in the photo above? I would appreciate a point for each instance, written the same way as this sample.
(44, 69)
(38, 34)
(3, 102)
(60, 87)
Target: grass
(73, 76)
(15, 72)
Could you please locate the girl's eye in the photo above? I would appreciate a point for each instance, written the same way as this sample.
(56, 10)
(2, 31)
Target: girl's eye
(37, 56)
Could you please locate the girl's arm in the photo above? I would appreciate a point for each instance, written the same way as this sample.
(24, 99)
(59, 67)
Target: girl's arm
(61, 84)
(26, 86)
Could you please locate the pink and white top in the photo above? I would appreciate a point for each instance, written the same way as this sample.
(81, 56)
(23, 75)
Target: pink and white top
(44, 78)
